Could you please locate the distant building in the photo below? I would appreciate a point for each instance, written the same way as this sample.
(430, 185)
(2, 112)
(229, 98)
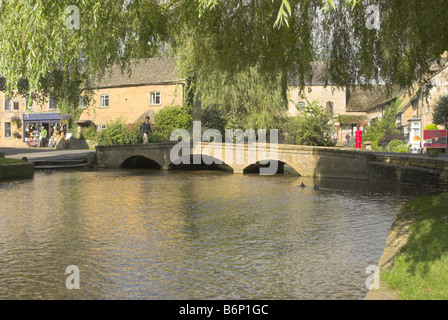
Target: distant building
(151, 86)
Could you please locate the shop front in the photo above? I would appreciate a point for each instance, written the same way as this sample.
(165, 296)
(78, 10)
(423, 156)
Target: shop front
(34, 123)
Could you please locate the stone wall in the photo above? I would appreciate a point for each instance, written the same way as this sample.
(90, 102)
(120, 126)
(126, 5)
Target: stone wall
(16, 171)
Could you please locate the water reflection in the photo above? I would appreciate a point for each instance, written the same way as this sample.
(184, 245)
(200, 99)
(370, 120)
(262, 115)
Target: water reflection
(191, 235)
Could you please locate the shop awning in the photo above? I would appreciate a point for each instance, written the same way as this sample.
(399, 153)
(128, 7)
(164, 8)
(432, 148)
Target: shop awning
(42, 117)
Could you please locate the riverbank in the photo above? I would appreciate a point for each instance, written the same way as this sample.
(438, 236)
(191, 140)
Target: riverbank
(11, 169)
(414, 264)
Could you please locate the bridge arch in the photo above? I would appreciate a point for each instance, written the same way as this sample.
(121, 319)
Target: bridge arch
(282, 167)
(140, 162)
(207, 163)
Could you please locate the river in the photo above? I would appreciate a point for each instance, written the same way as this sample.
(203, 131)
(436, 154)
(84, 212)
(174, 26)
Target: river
(137, 234)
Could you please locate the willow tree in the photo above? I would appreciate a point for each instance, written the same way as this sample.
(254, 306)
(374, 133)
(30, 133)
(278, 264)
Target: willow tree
(248, 99)
(212, 37)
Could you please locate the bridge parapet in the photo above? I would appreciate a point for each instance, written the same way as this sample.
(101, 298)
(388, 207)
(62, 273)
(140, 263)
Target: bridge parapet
(307, 161)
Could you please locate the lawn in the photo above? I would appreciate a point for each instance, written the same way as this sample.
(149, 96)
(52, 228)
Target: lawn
(9, 161)
(421, 270)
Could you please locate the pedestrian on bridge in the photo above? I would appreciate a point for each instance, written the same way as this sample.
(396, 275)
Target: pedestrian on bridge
(145, 129)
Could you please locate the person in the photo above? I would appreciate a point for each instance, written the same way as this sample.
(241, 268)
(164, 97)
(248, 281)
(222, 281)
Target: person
(145, 130)
(335, 138)
(44, 137)
(347, 137)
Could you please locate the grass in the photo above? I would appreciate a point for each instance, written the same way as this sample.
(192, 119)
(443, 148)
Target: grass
(9, 161)
(421, 270)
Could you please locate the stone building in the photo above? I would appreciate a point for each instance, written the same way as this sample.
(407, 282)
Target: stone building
(150, 87)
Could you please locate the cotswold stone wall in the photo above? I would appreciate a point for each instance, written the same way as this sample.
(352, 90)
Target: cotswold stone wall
(16, 171)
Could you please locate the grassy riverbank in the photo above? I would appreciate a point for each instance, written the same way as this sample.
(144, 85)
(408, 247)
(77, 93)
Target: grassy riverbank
(421, 269)
(9, 161)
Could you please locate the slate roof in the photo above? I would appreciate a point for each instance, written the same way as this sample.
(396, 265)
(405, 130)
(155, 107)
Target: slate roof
(143, 72)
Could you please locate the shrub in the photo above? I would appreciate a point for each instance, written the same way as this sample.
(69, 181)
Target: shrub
(89, 134)
(171, 118)
(120, 133)
(396, 146)
(312, 127)
(390, 135)
(431, 127)
(157, 137)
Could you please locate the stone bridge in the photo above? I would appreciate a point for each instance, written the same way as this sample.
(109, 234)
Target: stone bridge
(302, 160)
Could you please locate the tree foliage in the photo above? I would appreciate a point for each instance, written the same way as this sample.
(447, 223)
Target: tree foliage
(171, 118)
(440, 113)
(213, 37)
(249, 100)
(312, 127)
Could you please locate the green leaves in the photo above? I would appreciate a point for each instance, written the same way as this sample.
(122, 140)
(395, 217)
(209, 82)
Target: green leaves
(312, 127)
(440, 112)
(283, 14)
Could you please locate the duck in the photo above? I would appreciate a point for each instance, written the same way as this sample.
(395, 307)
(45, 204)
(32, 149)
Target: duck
(302, 185)
(316, 187)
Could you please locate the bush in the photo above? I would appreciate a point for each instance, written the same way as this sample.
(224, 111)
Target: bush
(312, 127)
(118, 133)
(89, 134)
(157, 137)
(431, 127)
(171, 118)
(390, 135)
(396, 146)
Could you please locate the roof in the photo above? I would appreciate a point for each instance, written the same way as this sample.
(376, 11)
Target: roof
(362, 100)
(143, 72)
(319, 73)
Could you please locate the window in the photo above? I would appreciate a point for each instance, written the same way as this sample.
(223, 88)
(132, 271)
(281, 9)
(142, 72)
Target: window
(83, 102)
(101, 127)
(301, 105)
(7, 129)
(7, 104)
(155, 99)
(330, 107)
(16, 106)
(52, 103)
(104, 101)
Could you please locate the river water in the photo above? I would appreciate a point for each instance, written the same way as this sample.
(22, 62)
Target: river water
(191, 235)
